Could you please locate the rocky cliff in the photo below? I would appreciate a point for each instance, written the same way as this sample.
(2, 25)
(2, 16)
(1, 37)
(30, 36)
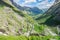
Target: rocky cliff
(52, 16)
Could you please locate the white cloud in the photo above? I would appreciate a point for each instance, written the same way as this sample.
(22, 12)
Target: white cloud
(41, 5)
(27, 1)
(16, 1)
(45, 4)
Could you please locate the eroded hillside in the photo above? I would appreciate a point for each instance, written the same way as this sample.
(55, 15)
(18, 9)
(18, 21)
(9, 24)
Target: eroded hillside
(14, 21)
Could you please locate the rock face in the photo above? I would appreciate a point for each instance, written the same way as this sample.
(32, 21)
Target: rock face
(51, 17)
(13, 21)
(57, 1)
(54, 13)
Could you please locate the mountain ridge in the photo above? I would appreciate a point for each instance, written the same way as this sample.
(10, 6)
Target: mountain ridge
(34, 10)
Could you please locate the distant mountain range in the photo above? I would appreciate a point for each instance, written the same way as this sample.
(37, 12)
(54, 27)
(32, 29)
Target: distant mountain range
(34, 10)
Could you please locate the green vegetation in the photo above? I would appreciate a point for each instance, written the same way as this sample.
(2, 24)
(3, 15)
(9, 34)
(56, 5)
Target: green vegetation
(29, 38)
(51, 18)
(16, 23)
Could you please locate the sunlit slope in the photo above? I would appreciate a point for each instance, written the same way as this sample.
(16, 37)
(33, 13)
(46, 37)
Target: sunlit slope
(15, 22)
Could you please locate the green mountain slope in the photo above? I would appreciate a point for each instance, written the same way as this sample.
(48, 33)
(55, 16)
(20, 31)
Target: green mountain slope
(52, 16)
(18, 25)
(15, 22)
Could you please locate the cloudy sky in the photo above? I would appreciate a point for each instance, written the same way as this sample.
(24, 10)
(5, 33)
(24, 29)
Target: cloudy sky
(42, 4)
